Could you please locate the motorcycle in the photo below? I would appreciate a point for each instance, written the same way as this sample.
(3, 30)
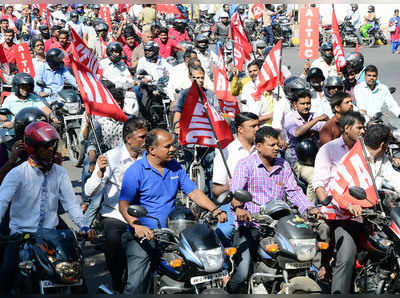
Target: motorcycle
(67, 106)
(285, 29)
(349, 37)
(155, 103)
(49, 262)
(286, 251)
(378, 264)
(192, 256)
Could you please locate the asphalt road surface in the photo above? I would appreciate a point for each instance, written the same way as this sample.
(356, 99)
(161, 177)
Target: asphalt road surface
(389, 74)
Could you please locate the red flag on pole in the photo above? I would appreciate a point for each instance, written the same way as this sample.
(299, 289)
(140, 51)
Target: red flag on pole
(24, 58)
(309, 33)
(96, 98)
(352, 170)
(257, 10)
(338, 52)
(239, 56)
(239, 35)
(221, 82)
(195, 128)
(268, 76)
(229, 108)
(84, 55)
(104, 14)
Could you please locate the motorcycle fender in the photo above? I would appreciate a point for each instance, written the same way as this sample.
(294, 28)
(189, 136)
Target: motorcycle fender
(301, 284)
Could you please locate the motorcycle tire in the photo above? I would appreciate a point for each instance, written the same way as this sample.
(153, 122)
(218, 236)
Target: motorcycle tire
(74, 148)
(371, 41)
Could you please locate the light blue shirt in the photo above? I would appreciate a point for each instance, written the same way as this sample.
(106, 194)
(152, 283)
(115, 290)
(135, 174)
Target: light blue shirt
(372, 101)
(54, 79)
(15, 104)
(355, 18)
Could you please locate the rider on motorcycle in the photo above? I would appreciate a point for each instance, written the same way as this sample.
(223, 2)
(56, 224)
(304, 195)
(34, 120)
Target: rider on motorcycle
(326, 62)
(178, 31)
(114, 69)
(369, 21)
(205, 54)
(355, 19)
(222, 29)
(54, 74)
(34, 190)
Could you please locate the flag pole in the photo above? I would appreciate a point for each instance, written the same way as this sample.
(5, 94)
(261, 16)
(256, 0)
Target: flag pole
(94, 133)
(370, 170)
(203, 100)
(279, 69)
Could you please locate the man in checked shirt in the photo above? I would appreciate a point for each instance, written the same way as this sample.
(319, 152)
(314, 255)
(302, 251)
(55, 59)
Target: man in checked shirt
(267, 178)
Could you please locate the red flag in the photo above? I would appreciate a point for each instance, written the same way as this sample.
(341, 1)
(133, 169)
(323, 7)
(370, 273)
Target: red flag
(352, 170)
(309, 33)
(268, 76)
(239, 35)
(195, 127)
(24, 58)
(4, 68)
(104, 14)
(83, 54)
(45, 14)
(96, 98)
(229, 108)
(239, 56)
(257, 10)
(357, 48)
(221, 82)
(103, 47)
(338, 52)
(168, 9)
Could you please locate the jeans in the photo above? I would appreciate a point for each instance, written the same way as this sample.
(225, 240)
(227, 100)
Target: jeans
(142, 261)
(269, 37)
(358, 34)
(95, 200)
(207, 161)
(225, 230)
(246, 241)
(114, 252)
(395, 46)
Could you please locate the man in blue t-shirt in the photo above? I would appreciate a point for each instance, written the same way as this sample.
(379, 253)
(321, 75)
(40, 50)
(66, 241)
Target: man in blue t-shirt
(153, 183)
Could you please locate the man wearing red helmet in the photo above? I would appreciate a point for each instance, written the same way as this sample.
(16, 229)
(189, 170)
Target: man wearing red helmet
(34, 190)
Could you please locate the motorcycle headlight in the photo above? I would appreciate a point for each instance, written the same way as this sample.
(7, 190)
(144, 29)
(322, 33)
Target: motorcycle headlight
(212, 259)
(305, 249)
(68, 272)
(72, 107)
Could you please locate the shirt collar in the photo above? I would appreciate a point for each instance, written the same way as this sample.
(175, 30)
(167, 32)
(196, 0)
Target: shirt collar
(376, 89)
(298, 116)
(125, 155)
(277, 165)
(241, 147)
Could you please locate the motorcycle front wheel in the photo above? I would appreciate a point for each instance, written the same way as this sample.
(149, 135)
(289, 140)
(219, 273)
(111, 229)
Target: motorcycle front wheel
(76, 150)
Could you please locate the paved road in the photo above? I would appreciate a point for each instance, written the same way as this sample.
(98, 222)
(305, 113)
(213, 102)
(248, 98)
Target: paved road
(389, 73)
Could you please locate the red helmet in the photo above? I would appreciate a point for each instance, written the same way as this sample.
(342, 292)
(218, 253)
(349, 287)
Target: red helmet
(38, 134)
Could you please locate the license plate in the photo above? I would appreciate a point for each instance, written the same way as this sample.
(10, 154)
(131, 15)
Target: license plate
(298, 265)
(50, 284)
(210, 277)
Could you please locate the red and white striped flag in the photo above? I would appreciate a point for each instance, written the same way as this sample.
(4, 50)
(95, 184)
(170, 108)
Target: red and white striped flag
(103, 47)
(239, 35)
(96, 98)
(338, 52)
(84, 55)
(268, 76)
(221, 82)
(137, 30)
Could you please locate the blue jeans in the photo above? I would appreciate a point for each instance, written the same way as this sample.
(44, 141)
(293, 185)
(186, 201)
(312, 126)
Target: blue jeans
(246, 241)
(225, 230)
(395, 45)
(8, 268)
(95, 200)
(142, 260)
(269, 38)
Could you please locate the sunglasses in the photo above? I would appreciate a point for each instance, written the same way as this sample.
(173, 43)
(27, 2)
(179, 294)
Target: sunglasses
(51, 144)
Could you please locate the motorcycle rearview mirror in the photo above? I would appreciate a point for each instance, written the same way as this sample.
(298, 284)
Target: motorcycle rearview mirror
(56, 105)
(242, 196)
(357, 192)
(41, 84)
(392, 90)
(224, 198)
(326, 201)
(137, 211)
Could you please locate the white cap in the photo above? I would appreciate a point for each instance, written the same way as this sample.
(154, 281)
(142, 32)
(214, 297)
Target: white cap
(224, 14)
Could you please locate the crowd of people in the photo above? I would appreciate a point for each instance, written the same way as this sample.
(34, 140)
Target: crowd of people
(287, 144)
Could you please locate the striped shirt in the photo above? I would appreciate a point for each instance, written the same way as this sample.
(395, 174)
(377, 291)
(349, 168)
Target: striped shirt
(251, 174)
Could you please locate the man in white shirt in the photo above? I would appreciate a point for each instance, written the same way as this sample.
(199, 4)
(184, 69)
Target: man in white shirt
(107, 177)
(371, 95)
(326, 62)
(75, 23)
(34, 190)
(246, 124)
(114, 69)
(354, 14)
(263, 107)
